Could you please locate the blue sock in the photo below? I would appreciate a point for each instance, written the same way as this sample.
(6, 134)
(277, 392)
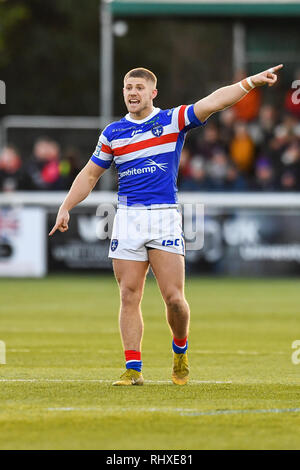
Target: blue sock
(180, 345)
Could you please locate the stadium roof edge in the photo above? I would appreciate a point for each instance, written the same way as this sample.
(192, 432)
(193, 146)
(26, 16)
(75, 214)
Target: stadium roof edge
(204, 8)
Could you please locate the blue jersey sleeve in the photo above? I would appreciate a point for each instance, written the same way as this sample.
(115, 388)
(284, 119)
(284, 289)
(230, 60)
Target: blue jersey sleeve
(192, 119)
(103, 154)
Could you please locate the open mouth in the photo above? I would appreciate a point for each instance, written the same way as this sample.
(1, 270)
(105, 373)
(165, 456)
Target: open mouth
(134, 101)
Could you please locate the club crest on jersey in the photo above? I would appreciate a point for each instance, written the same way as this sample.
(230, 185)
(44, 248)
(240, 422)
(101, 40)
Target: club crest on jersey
(157, 130)
(114, 244)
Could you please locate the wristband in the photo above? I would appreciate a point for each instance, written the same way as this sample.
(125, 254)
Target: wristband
(246, 84)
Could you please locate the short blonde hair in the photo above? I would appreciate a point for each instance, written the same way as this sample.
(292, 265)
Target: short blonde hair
(141, 72)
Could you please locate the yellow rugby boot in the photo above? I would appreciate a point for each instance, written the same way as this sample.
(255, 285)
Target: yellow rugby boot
(180, 374)
(130, 377)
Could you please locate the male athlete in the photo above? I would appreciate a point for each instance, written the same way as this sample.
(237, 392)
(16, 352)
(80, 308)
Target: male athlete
(145, 146)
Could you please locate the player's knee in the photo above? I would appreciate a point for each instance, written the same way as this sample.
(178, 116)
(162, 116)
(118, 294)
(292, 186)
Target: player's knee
(176, 302)
(130, 295)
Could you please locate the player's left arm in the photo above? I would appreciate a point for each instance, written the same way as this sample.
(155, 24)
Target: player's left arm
(229, 95)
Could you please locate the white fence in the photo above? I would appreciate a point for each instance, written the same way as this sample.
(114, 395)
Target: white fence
(210, 200)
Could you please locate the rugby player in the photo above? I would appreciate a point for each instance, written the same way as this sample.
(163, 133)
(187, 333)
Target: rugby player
(145, 146)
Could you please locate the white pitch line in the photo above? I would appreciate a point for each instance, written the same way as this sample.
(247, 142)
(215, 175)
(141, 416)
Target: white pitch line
(109, 381)
(191, 381)
(239, 352)
(58, 350)
(54, 380)
(167, 382)
(122, 410)
(184, 412)
(18, 350)
(231, 412)
(197, 351)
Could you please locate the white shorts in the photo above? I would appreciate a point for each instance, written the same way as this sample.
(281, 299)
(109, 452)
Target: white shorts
(135, 231)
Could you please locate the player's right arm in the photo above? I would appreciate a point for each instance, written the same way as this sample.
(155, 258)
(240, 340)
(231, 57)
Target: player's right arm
(83, 184)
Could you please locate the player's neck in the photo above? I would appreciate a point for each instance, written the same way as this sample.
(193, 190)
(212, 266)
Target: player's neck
(142, 114)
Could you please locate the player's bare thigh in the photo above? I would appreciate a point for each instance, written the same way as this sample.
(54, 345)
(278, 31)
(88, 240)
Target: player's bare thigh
(169, 270)
(130, 276)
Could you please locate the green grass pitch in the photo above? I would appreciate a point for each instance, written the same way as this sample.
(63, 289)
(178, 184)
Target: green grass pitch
(64, 350)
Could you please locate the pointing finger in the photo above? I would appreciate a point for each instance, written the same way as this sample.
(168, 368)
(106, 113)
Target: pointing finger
(53, 230)
(276, 68)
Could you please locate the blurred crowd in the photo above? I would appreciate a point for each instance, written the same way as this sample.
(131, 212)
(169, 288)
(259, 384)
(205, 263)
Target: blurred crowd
(249, 147)
(48, 168)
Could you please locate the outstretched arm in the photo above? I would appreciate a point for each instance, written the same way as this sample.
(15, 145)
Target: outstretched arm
(227, 96)
(83, 184)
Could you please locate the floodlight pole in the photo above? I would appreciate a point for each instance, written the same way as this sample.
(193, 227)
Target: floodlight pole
(239, 47)
(106, 74)
(106, 60)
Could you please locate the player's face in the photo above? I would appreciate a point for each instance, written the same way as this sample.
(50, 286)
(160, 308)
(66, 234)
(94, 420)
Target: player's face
(138, 95)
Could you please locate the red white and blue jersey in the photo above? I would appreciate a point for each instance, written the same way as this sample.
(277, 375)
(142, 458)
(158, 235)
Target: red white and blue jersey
(146, 154)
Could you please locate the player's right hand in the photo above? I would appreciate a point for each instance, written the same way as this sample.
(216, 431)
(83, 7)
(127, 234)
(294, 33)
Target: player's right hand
(62, 221)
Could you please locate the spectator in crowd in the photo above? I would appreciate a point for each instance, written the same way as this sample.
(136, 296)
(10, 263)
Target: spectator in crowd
(195, 178)
(227, 121)
(267, 121)
(247, 109)
(290, 165)
(261, 131)
(217, 168)
(264, 175)
(242, 148)
(235, 181)
(283, 148)
(209, 140)
(291, 155)
(288, 182)
(286, 130)
(222, 173)
(184, 165)
(10, 169)
(42, 171)
(69, 166)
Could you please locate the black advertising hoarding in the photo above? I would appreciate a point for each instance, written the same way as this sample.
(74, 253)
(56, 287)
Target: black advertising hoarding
(237, 242)
(78, 249)
(245, 242)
